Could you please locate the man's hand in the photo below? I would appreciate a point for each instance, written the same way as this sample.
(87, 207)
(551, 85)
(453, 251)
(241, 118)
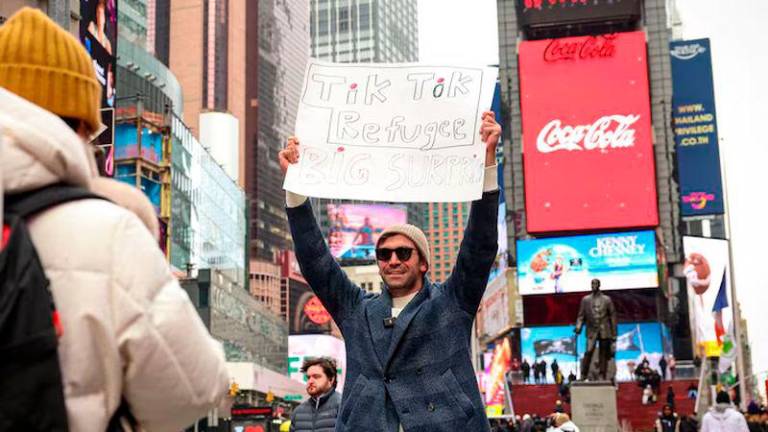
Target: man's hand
(290, 154)
(490, 131)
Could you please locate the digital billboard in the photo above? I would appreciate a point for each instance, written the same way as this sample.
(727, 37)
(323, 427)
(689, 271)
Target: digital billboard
(355, 228)
(588, 155)
(540, 13)
(695, 125)
(568, 264)
(307, 313)
(303, 346)
(496, 367)
(98, 33)
(707, 276)
(127, 143)
(634, 342)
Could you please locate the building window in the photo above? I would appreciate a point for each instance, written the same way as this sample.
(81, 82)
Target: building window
(343, 19)
(202, 297)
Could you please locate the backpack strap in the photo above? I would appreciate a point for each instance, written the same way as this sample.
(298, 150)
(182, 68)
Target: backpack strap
(29, 203)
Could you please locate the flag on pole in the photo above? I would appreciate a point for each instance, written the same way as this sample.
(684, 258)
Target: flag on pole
(721, 302)
(627, 341)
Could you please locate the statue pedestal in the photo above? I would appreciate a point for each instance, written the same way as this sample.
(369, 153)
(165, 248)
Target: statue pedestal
(593, 405)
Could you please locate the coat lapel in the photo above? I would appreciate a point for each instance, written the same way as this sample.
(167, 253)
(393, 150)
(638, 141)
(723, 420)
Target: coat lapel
(376, 311)
(405, 318)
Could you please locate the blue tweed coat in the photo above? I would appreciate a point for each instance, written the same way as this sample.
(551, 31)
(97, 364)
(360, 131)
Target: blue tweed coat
(419, 372)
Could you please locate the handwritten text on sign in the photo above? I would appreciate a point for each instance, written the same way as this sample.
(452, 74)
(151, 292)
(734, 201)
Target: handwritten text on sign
(391, 132)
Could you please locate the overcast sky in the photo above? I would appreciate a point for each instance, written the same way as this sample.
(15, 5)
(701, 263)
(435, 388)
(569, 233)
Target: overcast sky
(466, 32)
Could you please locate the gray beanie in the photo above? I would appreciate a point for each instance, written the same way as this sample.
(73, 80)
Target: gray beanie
(412, 232)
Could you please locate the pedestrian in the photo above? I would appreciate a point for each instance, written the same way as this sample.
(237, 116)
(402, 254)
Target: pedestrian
(693, 392)
(128, 332)
(408, 347)
(723, 417)
(571, 377)
(543, 371)
(648, 395)
(559, 406)
(527, 424)
(667, 421)
(555, 369)
(319, 412)
(562, 423)
(689, 424)
(526, 368)
(671, 397)
(536, 372)
(672, 366)
(663, 367)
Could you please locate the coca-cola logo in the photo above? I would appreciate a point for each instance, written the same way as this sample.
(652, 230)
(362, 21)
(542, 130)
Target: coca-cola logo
(611, 131)
(589, 47)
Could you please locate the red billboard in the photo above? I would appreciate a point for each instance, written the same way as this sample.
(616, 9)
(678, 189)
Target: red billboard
(587, 139)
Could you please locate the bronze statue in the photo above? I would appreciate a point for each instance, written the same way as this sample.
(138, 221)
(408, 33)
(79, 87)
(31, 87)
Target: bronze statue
(596, 312)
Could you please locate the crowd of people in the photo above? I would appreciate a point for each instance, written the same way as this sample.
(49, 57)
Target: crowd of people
(555, 422)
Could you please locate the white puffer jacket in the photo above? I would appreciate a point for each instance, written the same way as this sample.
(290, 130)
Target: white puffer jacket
(129, 328)
(723, 418)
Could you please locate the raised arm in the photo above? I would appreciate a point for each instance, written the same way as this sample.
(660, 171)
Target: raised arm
(337, 293)
(480, 244)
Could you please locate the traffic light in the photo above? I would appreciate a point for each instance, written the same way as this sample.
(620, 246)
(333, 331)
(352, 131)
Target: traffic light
(270, 397)
(233, 389)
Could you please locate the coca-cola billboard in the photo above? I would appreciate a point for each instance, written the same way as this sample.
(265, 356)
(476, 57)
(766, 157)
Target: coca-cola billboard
(552, 13)
(587, 139)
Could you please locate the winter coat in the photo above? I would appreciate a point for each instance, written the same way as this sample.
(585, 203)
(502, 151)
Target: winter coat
(129, 330)
(317, 415)
(418, 372)
(667, 424)
(568, 426)
(723, 418)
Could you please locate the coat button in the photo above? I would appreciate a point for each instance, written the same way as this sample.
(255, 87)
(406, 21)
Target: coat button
(431, 407)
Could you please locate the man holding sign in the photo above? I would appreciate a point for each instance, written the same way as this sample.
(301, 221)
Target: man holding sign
(408, 348)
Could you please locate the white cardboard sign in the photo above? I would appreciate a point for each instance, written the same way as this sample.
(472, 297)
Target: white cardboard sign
(391, 132)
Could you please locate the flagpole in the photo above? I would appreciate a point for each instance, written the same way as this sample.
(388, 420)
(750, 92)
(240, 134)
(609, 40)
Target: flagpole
(731, 271)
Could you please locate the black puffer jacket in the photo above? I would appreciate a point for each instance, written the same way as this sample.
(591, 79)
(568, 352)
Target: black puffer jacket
(317, 415)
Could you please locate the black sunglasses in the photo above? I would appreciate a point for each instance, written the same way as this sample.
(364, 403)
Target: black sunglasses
(403, 253)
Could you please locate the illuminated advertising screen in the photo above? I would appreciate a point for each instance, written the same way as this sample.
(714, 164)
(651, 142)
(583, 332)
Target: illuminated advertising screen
(695, 123)
(303, 346)
(587, 141)
(634, 342)
(127, 144)
(98, 33)
(540, 13)
(307, 313)
(568, 264)
(709, 292)
(355, 228)
(496, 367)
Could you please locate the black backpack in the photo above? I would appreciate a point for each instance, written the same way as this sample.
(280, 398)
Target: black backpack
(31, 392)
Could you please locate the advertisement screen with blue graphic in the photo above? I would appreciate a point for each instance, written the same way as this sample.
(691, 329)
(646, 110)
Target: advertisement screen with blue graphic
(568, 264)
(354, 229)
(695, 124)
(634, 342)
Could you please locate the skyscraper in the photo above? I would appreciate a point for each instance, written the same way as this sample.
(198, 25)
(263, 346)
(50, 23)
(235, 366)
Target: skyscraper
(365, 31)
(444, 226)
(283, 56)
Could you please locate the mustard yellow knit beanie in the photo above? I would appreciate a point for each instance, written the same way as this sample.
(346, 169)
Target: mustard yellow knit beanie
(44, 64)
